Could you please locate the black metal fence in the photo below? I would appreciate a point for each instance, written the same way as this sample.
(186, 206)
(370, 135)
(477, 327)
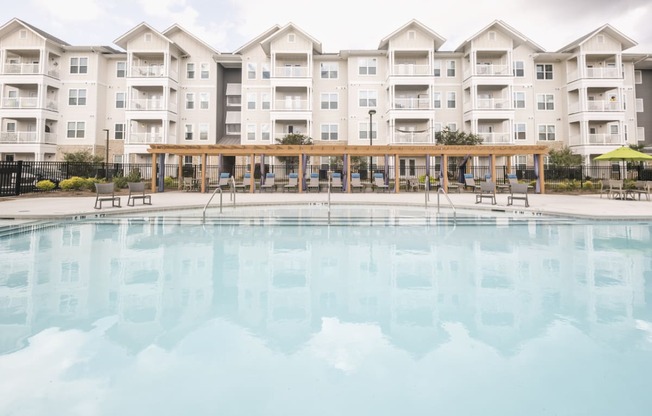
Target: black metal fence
(22, 177)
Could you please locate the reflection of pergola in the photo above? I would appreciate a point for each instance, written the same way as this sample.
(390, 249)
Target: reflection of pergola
(346, 151)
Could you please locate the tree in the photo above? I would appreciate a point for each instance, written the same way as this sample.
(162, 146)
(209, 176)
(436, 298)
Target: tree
(564, 157)
(449, 137)
(82, 156)
(295, 139)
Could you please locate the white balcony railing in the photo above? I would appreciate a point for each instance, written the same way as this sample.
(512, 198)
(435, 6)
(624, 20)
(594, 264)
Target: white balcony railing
(291, 72)
(603, 73)
(290, 105)
(19, 137)
(148, 71)
(411, 70)
(604, 105)
(605, 139)
(493, 104)
(491, 70)
(495, 138)
(146, 104)
(144, 138)
(21, 68)
(411, 137)
(19, 102)
(412, 103)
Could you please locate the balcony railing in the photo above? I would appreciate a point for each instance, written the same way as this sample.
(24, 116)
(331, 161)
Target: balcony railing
(605, 139)
(495, 138)
(148, 71)
(412, 137)
(491, 70)
(603, 73)
(19, 102)
(411, 103)
(596, 106)
(492, 104)
(20, 137)
(291, 105)
(21, 68)
(411, 70)
(146, 104)
(144, 138)
(291, 72)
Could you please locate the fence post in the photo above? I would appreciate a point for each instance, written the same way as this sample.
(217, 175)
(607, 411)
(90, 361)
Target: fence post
(19, 176)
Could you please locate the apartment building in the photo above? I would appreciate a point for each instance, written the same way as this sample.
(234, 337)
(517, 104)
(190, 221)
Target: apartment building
(171, 87)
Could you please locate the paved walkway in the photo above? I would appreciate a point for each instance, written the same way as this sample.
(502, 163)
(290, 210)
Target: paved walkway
(26, 208)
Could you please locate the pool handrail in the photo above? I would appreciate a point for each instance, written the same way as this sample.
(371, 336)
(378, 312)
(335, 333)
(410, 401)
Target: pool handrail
(232, 197)
(443, 191)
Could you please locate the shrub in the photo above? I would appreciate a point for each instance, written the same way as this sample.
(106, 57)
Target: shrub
(45, 185)
(562, 186)
(73, 184)
(89, 183)
(134, 176)
(169, 182)
(120, 182)
(588, 185)
(422, 179)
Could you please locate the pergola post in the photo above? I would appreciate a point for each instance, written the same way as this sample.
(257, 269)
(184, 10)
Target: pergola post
(203, 172)
(300, 181)
(538, 162)
(444, 170)
(252, 183)
(154, 188)
(180, 172)
(348, 172)
(492, 163)
(397, 183)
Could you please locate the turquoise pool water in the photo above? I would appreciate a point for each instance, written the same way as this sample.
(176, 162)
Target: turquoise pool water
(169, 316)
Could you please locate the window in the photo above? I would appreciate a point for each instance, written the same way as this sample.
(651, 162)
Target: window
(329, 70)
(265, 71)
(78, 65)
(204, 71)
(188, 132)
(638, 77)
(251, 100)
(77, 97)
(148, 37)
(265, 100)
(251, 132)
(411, 35)
(545, 102)
(203, 131)
(233, 129)
(119, 129)
(519, 99)
(546, 132)
(452, 126)
(264, 132)
(544, 71)
(436, 99)
(492, 35)
(117, 159)
(639, 105)
(450, 68)
(76, 129)
(519, 131)
(120, 69)
(450, 99)
(329, 101)
(251, 71)
(22, 34)
(190, 70)
(363, 130)
(292, 38)
(367, 66)
(436, 68)
(203, 100)
(119, 100)
(519, 69)
(329, 132)
(190, 100)
(368, 98)
(187, 160)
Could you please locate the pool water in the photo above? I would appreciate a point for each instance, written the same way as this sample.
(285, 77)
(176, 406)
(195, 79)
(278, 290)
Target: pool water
(158, 316)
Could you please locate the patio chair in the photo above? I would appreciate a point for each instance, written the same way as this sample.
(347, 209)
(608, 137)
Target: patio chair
(356, 183)
(379, 182)
(269, 183)
(487, 190)
(518, 191)
(615, 189)
(293, 182)
(106, 192)
(137, 191)
(190, 184)
(224, 180)
(641, 188)
(500, 187)
(469, 182)
(336, 181)
(411, 184)
(245, 184)
(313, 183)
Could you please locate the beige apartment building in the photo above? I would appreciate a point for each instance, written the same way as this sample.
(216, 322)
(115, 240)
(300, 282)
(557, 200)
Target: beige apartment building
(171, 87)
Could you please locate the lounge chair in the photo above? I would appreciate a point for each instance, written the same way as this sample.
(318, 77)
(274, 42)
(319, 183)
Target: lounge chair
(137, 191)
(245, 184)
(313, 183)
(411, 184)
(379, 182)
(356, 183)
(106, 192)
(190, 184)
(336, 181)
(469, 182)
(487, 190)
(224, 180)
(269, 183)
(518, 191)
(293, 182)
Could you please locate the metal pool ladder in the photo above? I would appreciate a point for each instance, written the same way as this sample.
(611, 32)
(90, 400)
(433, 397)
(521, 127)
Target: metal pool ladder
(219, 188)
(439, 191)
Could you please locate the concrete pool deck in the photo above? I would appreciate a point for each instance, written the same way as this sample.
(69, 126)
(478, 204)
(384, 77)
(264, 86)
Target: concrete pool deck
(28, 208)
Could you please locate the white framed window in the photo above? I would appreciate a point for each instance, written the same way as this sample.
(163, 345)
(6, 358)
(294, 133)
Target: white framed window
(251, 100)
(367, 66)
(519, 131)
(367, 98)
(203, 100)
(265, 100)
(452, 126)
(519, 68)
(22, 34)
(545, 102)
(363, 130)
(187, 160)
(640, 108)
(188, 132)
(492, 35)
(544, 71)
(148, 37)
(519, 99)
(411, 35)
(436, 96)
(233, 129)
(204, 70)
(121, 69)
(329, 131)
(638, 77)
(329, 101)
(190, 70)
(77, 96)
(437, 127)
(118, 158)
(203, 131)
(251, 71)
(264, 132)
(451, 99)
(265, 71)
(546, 132)
(190, 100)
(329, 70)
(119, 131)
(76, 130)
(78, 65)
(292, 38)
(251, 132)
(436, 68)
(450, 68)
(120, 99)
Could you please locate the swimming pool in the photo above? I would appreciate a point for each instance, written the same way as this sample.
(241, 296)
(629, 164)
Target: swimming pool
(169, 316)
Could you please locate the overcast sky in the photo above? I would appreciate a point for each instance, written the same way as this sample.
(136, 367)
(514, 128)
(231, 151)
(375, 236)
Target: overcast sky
(337, 24)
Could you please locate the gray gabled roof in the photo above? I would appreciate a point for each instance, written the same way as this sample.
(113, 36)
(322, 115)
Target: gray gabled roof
(41, 33)
(513, 33)
(437, 39)
(623, 39)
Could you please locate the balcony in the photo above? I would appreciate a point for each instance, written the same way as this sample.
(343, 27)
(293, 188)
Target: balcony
(597, 106)
(291, 72)
(412, 138)
(146, 104)
(30, 69)
(152, 71)
(291, 105)
(492, 104)
(19, 102)
(145, 138)
(605, 139)
(411, 70)
(27, 137)
(492, 70)
(495, 138)
(412, 103)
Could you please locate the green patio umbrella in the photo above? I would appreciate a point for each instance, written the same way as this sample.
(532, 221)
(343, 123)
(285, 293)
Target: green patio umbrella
(625, 154)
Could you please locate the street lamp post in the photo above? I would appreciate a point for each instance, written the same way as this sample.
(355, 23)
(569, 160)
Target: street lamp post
(371, 116)
(106, 159)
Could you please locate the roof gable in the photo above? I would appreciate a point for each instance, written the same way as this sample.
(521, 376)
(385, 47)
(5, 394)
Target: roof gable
(516, 36)
(265, 43)
(178, 28)
(16, 23)
(437, 39)
(258, 39)
(624, 40)
(123, 40)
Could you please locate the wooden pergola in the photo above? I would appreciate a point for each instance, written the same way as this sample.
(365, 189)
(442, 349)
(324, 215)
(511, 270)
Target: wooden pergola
(346, 151)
